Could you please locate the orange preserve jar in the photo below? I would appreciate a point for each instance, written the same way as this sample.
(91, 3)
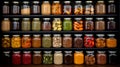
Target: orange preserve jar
(111, 41)
(78, 57)
(36, 41)
(56, 8)
(16, 41)
(26, 41)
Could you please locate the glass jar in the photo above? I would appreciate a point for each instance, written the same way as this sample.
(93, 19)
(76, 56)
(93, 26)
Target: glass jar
(78, 24)
(113, 58)
(90, 58)
(5, 25)
(67, 24)
(26, 24)
(36, 7)
(46, 26)
(47, 57)
(16, 7)
(37, 57)
(78, 41)
(6, 41)
(100, 24)
(101, 57)
(78, 57)
(45, 8)
(16, 41)
(111, 7)
(67, 41)
(36, 41)
(78, 8)
(58, 57)
(26, 41)
(26, 57)
(16, 58)
(111, 24)
(89, 8)
(36, 24)
(6, 57)
(89, 41)
(111, 42)
(89, 24)
(46, 41)
(56, 8)
(57, 24)
(6, 8)
(15, 24)
(25, 8)
(68, 57)
(100, 41)
(67, 8)
(100, 7)
(57, 40)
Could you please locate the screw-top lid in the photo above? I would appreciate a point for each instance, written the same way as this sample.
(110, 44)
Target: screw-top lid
(79, 51)
(89, 51)
(16, 35)
(68, 51)
(58, 51)
(101, 51)
(99, 18)
(36, 35)
(112, 52)
(37, 51)
(89, 34)
(47, 51)
(67, 18)
(6, 18)
(16, 51)
(101, 35)
(111, 34)
(111, 1)
(56, 1)
(66, 1)
(26, 2)
(46, 18)
(6, 35)
(6, 52)
(100, 1)
(46, 35)
(78, 34)
(26, 18)
(111, 18)
(6, 2)
(36, 2)
(56, 34)
(78, 18)
(15, 2)
(88, 1)
(89, 18)
(36, 18)
(15, 18)
(78, 1)
(45, 1)
(26, 35)
(67, 34)
(26, 52)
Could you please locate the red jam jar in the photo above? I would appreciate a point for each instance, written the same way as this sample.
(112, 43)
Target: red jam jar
(26, 58)
(16, 57)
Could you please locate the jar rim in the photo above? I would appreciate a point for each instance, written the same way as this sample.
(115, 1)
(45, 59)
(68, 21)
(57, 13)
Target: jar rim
(16, 35)
(67, 34)
(6, 35)
(66, 1)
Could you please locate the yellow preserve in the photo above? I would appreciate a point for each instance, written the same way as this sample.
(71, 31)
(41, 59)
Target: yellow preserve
(16, 41)
(78, 57)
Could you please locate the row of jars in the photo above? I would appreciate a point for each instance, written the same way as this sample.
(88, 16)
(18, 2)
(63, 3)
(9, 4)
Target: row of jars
(59, 57)
(57, 25)
(56, 8)
(57, 41)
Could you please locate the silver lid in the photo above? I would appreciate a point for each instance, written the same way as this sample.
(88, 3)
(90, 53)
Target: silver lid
(100, 35)
(15, 18)
(78, 34)
(15, 2)
(26, 35)
(26, 52)
(67, 34)
(46, 35)
(6, 18)
(56, 34)
(26, 2)
(36, 35)
(45, 1)
(78, 18)
(16, 35)
(46, 18)
(89, 18)
(89, 34)
(111, 34)
(100, 1)
(67, 18)
(47, 51)
(88, 1)
(6, 52)
(68, 51)
(6, 35)
(66, 1)
(56, 1)
(78, 1)
(26, 18)
(36, 18)
(6, 2)
(36, 2)
(37, 51)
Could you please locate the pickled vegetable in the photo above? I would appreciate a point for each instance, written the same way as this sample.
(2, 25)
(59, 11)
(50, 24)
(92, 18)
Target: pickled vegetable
(46, 41)
(6, 41)
(78, 24)
(16, 41)
(67, 24)
(26, 41)
(47, 58)
(57, 24)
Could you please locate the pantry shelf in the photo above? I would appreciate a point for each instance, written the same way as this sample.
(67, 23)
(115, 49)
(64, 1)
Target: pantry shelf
(58, 15)
(56, 49)
(58, 32)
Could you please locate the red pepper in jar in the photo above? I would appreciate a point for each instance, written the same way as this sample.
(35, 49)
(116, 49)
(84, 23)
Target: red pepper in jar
(89, 41)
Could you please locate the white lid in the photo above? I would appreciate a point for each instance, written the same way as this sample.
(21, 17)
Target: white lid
(111, 34)
(58, 51)
(46, 18)
(88, 1)
(36, 35)
(78, 34)
(6, 35)
(89, 51)
(16, 35)
(36, 18)
(36, 2)
(26, 18)
(66, 1)
(16, 51)
(112, 52)
(111, 18)
(6, 2)
(37, 51)
(46, 1)
(26, 52)
(67, 18)
(89, 34)
(6, 52)
(101, 51)
(57, 18)
(46, 35)
(26, 35)
(78, 18)
(78, 1)
(47, 51)
(6, 18)
(111, 1)
(68, 51)
(15, 2)
(99, 18)
(25, 2)
(100, 35)
(56, 34)
(67, 34)
(15, 18)
(56, 1)
(89, 18)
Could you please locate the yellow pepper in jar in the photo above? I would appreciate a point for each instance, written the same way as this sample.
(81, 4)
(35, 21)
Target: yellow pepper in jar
(16, 41)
